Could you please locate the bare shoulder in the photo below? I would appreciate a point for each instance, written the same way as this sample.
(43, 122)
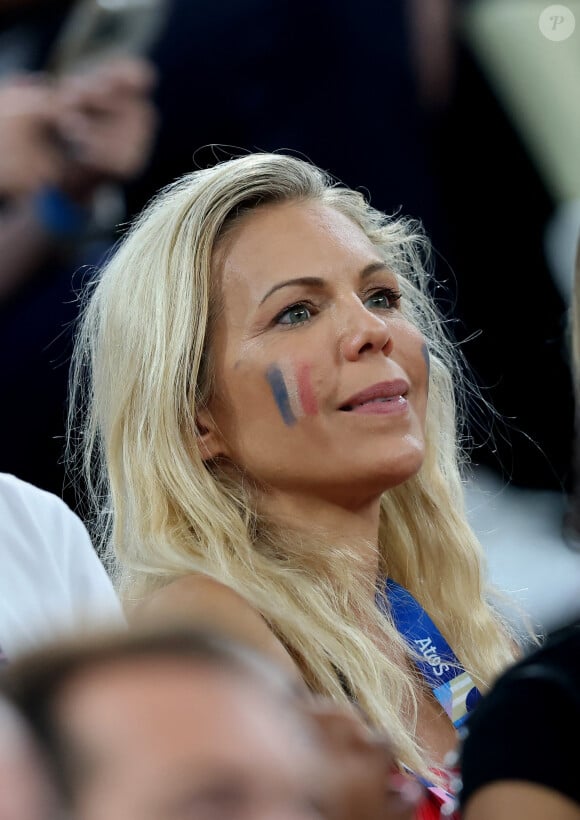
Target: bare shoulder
(201, 601)
(199, 598)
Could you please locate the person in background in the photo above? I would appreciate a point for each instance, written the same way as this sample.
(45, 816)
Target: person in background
(178, 723)
(271, 413)
(517, 759)
(69, 142)
(52, 582)
(62, 142)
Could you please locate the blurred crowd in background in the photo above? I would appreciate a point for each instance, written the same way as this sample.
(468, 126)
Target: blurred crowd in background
(102, 103)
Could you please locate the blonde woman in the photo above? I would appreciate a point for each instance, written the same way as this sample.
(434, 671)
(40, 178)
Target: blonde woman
(271, 407)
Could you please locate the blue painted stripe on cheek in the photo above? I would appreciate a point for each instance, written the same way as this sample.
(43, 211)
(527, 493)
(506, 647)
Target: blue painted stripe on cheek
(280, 393)
(427, 359)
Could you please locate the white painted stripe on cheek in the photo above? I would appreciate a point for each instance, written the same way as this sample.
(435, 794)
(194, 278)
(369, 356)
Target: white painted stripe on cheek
(293, 392)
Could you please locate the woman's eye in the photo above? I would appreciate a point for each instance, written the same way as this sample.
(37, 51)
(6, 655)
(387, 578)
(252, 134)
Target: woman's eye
(294, 315)
(382, 299)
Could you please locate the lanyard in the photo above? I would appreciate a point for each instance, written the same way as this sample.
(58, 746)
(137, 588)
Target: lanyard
(438, 798)
(450, 683)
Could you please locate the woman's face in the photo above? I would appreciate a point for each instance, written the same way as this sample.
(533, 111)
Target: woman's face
(321, 384)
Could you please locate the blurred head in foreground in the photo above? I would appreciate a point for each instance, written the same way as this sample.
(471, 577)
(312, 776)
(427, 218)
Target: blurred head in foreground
(179, 724)
(168, 726)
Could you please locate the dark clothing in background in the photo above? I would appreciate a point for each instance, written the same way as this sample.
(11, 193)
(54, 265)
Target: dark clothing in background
(332, 81)
(527, 727)
(36, 332)
(496, 208)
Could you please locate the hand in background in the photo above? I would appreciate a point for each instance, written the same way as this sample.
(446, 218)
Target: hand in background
(61, 140)
(107, 122)
(361, 769)
(78, 131)
(30, 156)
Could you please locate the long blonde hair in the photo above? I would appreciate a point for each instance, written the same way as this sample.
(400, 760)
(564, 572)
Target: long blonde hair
(142, 368)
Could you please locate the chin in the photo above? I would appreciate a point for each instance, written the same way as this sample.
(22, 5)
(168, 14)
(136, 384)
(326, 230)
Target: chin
(381, 477)
(395, 471)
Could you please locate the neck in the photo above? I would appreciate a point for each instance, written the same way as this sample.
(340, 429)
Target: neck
(356, 528)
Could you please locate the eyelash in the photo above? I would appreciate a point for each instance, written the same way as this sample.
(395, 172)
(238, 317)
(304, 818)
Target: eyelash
(393, 295)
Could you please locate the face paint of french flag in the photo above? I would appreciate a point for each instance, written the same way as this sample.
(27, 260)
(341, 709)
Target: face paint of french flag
(292, 390)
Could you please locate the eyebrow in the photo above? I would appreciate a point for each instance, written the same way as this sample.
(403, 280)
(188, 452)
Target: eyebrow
(317, 282)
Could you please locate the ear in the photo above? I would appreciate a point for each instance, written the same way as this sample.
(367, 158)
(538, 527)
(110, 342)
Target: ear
(207, 436)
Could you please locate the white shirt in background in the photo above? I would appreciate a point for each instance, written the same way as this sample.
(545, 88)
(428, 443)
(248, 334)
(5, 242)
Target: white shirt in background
(51, 580)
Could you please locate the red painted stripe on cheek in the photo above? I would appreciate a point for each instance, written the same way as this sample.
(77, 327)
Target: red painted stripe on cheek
(305, 391)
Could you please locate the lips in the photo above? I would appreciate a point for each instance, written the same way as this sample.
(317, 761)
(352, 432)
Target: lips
(380, 393)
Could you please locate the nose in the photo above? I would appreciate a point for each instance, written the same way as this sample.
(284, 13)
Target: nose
(364, 333)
